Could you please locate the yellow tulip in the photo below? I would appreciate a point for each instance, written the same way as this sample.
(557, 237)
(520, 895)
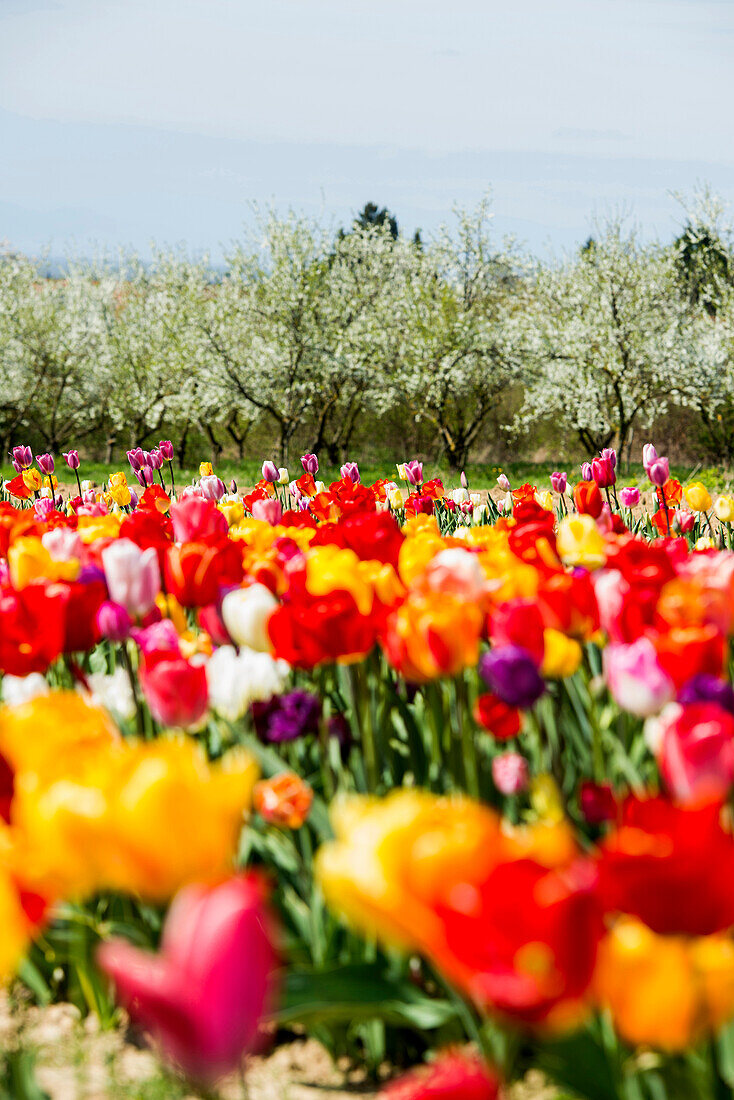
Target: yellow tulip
(545, 798)
(120, 494)
(205, 469)
(698, 497)
(329, 568)
(724, 509)
(545, 500)
(580, 542)
(562, 655)
(29, 560)
(665, 991)
(117, 481)
(32, 479)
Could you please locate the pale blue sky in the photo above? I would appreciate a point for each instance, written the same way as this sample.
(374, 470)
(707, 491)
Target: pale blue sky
(126, 120)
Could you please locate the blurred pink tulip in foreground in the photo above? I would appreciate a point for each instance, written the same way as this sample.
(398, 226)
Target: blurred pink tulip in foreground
(203, 996)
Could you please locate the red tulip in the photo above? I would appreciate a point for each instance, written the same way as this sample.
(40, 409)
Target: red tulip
(202, 997)
(175, 689)
(453, 1076)
(33, 627)
(696, 757)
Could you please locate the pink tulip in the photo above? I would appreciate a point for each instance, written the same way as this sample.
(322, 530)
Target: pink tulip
(271, 472)
(586, 472)
(649, 455)
(602, 472)
(683, 521)
(166, 448)
(414, 472)
(133, 576)
(504, 483)
(510, 773)
(635, 679)
(351, 470)
(212, 487)
(203, 995)
(629, 497)
(113, 621)
(559, 482)
(195, 518)
(310, 464)
(270, 510)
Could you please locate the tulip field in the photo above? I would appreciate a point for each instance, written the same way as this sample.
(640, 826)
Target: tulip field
(433, 778)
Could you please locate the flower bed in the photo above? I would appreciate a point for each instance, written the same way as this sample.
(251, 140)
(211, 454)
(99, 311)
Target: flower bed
(404, 768)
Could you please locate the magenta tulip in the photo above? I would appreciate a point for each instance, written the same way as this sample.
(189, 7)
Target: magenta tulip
(271, 473)
(203, 996)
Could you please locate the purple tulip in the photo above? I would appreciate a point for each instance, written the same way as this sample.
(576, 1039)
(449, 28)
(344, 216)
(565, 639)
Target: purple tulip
(233, 486)
(287, 717)
(559, 482)
(144, 475)
(351, 470)
(511, 673)
(271, 473)
(166, 448)
(113, 621)
(705, 688)
(611, 454)
(310, 464)
(659, 471)
(45, 464)
(155, 459)
(629, 497)
(586, 474)
(414, 472)
(133, 499)
(72, 459)
(22, 458)
(136, 458)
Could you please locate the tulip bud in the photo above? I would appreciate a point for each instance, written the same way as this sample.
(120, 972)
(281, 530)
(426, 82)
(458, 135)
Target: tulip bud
(233, 487)
(586, 472)
(649, 455)
(724, 509)
(136, 458)
(559, 482)
(271, 472)
(166, 448)
(72, 459)
(683, 521)
(610, 455)
(504, 483)
(395, 498)
(464, 480)
(310, 464)
(245, 613)
(350, 470)
(144, 475)
(45, 463)
(155, 459)
(283, 476)
(659, 471)
(510, 773)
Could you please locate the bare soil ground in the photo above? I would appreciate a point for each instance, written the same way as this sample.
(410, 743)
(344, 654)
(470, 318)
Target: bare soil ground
(77, 1060)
